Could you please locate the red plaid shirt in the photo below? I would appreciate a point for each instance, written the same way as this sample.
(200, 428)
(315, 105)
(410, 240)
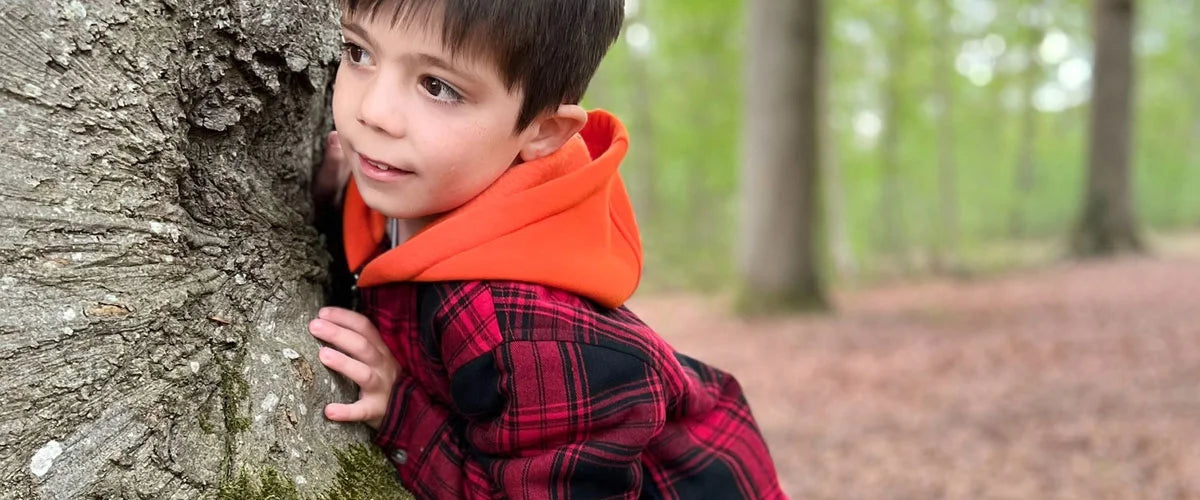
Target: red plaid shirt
(515, 390)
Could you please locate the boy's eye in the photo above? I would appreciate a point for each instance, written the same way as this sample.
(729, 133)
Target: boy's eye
(357, 55)
(440, 90)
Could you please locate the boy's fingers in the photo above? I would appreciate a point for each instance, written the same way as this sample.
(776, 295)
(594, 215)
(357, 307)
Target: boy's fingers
(351, 320)
(332, 143)
(355, 412)
(346, 340)
(331, 177)
(353, 369)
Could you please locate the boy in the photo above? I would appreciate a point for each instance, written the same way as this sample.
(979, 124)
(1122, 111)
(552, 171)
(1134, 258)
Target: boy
(494, 246)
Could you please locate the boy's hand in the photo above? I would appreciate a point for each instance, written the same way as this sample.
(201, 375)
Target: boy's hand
(331, 178)
(361, 356)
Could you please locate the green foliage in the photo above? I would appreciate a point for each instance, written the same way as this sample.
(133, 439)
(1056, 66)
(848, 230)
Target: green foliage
(694, 81)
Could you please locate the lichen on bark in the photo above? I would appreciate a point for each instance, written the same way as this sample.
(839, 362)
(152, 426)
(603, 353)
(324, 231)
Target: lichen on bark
(157, 254)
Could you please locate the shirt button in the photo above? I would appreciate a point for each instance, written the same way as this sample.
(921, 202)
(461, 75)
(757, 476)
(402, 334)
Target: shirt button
(400, 457)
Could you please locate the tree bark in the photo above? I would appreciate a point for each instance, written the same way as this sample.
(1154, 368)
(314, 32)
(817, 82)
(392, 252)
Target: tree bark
(1107, 225)
(779, 180)
(157, 258)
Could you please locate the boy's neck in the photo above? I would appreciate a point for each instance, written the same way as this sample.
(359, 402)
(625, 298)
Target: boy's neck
(401, 230)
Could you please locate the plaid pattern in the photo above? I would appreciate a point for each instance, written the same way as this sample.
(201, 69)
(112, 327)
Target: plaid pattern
(515, 390)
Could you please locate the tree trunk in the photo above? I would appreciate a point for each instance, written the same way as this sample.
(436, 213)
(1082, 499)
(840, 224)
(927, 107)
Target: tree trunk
(831, 172)
(1195, 142)
(945, 254)
(891, 204)
(1107, 225)
(642, 149)
(157, 258)
(1025, 179)
(779, 181)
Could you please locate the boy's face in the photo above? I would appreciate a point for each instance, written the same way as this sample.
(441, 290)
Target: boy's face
(442, 127)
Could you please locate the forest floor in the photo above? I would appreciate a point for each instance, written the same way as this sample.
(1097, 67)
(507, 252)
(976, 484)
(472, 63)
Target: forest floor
(1077, 380)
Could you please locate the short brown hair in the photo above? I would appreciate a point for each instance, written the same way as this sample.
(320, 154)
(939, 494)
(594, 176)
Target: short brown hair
(549, 48)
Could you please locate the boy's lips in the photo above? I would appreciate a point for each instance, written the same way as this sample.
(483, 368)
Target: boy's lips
(380, 171)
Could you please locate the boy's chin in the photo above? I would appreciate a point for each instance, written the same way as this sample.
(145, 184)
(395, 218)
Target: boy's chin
(403, 213)
(383, 202)
(400, 213)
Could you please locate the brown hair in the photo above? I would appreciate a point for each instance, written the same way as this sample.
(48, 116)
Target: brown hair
(548, 48)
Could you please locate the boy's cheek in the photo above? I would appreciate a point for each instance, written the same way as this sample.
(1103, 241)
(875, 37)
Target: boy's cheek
(343, 95)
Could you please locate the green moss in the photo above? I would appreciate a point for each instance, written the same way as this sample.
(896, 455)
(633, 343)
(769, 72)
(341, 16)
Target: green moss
(271, 485)
(205, 424)
(234, 390)
(363, 474)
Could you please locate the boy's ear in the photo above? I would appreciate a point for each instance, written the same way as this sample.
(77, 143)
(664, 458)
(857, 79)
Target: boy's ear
(550, 131)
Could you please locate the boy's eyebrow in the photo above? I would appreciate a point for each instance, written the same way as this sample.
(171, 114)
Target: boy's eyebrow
(420, 58)
(437, 62)
(358, 30)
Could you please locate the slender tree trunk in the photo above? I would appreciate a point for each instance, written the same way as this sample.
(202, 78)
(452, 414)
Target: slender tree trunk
(891, 203)
(701, 217)
(698, 221)
(1107, 224)
(835, 185)
(1195, 81)
(1027, 138)
(779, 182)
(642, 150)
(945, 255)
(157, 259)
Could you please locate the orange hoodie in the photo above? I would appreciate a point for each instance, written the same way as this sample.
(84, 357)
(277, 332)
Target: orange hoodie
(562, 221)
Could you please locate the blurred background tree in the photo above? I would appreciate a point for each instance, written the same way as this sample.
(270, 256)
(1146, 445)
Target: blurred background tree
(956, 136)
(968, 154)
(778, 257)
(1107, 224)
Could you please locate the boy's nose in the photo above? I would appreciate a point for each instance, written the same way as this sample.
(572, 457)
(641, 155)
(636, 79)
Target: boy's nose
(380, 109)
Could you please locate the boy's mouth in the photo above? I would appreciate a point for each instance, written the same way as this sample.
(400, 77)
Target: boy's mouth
(380, 171)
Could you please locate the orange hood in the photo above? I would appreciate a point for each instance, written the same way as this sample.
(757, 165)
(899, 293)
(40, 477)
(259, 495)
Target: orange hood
(562, 221)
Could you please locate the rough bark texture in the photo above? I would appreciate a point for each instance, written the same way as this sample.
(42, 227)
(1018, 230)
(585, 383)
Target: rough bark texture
(157, 259)
(1107, 224)
(779, 181)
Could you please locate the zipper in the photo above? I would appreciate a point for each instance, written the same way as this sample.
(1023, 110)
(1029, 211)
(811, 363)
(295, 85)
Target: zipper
(355, 294)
